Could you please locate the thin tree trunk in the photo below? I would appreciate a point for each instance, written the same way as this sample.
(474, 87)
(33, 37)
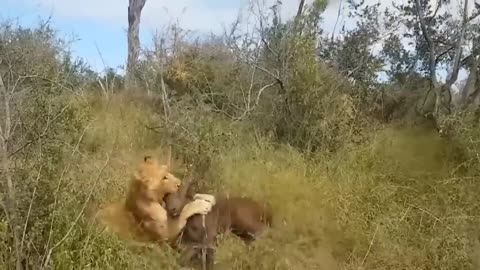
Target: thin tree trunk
(432, 63)
(469, 89)
(300, 9)
(472, 88)
(10, 198)
(10, 204)
(453, 76)
(134, 13)
(297, 27)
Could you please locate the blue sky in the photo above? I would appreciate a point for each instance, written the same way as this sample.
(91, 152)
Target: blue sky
(100, 25)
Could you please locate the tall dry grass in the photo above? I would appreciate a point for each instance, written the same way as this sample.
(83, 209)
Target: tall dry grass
(397, 202)
(400, 201)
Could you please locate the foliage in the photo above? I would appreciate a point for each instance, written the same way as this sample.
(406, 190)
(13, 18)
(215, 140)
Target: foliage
(352, 51)
(357, 178)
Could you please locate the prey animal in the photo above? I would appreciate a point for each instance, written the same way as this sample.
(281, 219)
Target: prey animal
(242, 216)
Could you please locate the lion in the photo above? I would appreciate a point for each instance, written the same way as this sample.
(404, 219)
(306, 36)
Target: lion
(150, 184)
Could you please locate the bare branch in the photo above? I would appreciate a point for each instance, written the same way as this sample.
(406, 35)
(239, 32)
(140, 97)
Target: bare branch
(67, 86)
(259, 94)
(22, 241)
(41, 135)
(275, 77)
(269, 48)
(475, 52)
(166, 107)
(174, 124)
(60, 181)
(3, 92)
(336, 20)
(300, 9)
(431, 44)
(247, 101)
(444, 53)
(257, 100)
(452, 77)
(74, 223)
(134, 12)
(102, 86)
(474, 16)
(11, 207)
(439, 4)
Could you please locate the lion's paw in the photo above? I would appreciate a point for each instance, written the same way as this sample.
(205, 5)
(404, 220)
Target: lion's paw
(205, 197)
(201, 207)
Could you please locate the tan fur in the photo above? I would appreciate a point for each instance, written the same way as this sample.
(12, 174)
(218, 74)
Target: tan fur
(150, 184)
(115, 218)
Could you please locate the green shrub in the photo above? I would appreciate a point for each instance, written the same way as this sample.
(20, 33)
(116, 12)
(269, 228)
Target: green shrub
(347, 193)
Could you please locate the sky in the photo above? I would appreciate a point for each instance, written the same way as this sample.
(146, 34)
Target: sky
(99, 26)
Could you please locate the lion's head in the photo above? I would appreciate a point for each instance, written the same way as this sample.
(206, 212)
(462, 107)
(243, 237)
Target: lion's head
(156, 177)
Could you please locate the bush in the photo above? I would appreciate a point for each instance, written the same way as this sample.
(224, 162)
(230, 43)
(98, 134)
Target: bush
(347, 192)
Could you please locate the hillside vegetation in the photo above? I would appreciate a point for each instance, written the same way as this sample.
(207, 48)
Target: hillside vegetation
(357, 175)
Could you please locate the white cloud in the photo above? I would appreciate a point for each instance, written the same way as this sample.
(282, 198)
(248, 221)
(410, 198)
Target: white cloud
(332, 11)
(192, 14)
(105, 10)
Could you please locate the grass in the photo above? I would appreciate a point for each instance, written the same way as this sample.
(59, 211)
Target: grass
(397, 202)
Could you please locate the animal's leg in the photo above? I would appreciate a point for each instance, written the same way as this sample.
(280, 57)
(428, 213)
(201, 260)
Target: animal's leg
(249, 230)
(188, 255)
(196, 258)
(246, 236)
(210, 258)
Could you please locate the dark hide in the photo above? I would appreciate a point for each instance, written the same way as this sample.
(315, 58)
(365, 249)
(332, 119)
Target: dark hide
(242, 216)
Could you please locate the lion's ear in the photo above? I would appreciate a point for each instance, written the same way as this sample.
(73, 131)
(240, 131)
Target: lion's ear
(165, 167)
(149, 160)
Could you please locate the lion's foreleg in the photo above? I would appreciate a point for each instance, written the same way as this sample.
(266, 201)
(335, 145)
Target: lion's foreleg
(206, 197)
(157, 225)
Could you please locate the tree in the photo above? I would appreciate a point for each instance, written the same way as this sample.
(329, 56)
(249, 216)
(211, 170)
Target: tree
(36, 72)
(470, 95)
(134, 12)
(351, 52)
(438, 38)
(9, 205)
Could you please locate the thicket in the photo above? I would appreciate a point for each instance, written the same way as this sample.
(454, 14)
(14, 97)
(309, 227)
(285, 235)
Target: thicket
(358, 174)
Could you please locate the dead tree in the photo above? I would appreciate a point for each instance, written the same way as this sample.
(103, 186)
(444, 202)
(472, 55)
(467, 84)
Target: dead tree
(441, 89)
(134, 12)
(8, 203)
(470, 95)
(300, 9)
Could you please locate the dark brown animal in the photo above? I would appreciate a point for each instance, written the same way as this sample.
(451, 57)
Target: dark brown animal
(242, 216)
